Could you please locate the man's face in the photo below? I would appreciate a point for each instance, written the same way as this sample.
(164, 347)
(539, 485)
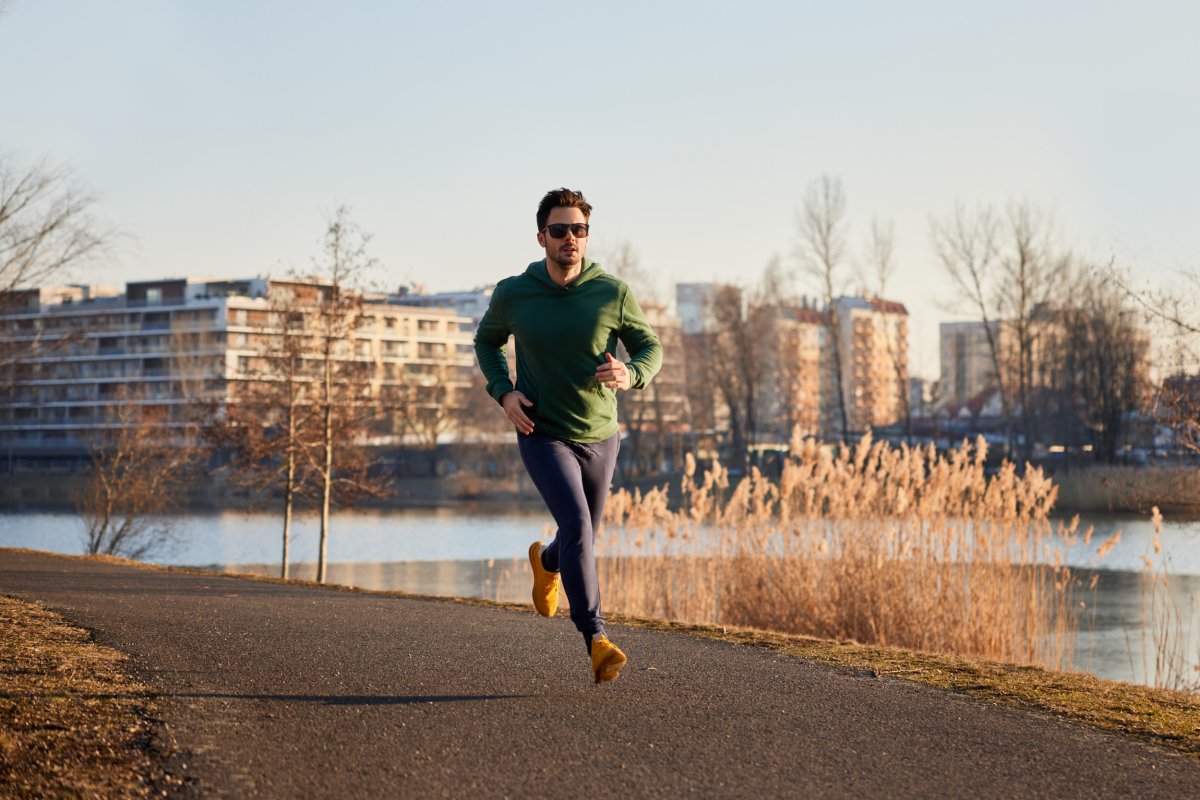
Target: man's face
(568, 251)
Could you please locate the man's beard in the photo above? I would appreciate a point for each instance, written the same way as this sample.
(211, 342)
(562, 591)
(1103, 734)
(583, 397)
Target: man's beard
(566, 265)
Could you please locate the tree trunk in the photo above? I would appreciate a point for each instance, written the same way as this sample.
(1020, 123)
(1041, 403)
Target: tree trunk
(327, 453)
(287, 520)
(326, 491)
(838, 372)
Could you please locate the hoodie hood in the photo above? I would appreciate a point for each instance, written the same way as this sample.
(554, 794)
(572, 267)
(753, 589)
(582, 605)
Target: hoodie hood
(537, 271)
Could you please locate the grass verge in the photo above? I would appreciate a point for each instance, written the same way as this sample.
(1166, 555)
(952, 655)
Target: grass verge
(1158, 717)
(72, 724)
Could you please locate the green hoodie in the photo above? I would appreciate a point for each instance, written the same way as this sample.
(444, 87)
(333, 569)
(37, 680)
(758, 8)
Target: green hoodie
(562, 334)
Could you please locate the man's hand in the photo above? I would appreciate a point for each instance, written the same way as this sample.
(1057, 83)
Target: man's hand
(514, 404)
(612, 373)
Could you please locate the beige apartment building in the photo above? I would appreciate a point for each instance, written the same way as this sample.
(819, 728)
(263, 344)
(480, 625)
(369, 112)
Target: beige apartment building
(795, 342)
(873, 334)
(71, 353)
(800, 375)
(872, 342)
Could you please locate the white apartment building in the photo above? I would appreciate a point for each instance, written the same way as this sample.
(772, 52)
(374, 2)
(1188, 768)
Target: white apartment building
(71, 353)
(473, 303)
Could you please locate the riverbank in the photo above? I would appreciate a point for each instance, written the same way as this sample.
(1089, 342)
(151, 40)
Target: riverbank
(1096, 490)
(32, 492)
(1130, 490)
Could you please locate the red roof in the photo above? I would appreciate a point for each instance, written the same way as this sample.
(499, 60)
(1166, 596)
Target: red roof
(888, 306)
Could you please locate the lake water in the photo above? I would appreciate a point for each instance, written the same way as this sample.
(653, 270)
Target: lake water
(451, 552)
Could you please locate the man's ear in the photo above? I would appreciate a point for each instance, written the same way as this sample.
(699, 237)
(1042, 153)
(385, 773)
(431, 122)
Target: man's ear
(541, 237)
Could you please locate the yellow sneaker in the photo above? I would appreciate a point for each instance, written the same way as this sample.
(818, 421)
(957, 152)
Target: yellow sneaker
(545, 583)
(607, 659)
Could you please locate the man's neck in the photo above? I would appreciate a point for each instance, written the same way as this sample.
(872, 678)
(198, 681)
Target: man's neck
(562, 275)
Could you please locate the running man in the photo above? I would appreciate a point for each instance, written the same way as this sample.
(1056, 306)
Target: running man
(566, 315)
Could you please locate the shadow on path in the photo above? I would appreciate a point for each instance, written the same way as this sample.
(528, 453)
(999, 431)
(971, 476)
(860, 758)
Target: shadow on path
(333, 700)
(355, 699)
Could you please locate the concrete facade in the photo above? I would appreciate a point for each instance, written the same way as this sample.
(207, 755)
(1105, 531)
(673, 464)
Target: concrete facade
(75, 352)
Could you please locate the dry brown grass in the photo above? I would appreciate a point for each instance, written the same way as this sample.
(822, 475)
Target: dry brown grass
(1167, 624)
(876, 544)
(71, 723)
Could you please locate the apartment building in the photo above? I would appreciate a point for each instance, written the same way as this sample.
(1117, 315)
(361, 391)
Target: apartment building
(796, 399)
(74, 352)
(796, 346)
(967, 368)
(873, 339)
(472, 303)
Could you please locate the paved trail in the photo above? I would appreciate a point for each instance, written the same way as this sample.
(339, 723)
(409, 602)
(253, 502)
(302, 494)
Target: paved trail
(284, 691)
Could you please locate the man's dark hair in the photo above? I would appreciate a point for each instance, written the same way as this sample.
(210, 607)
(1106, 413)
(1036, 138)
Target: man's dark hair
(561, 198)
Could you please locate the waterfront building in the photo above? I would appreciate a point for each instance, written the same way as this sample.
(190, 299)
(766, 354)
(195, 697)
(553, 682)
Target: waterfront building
(73, 353)
(473, 303)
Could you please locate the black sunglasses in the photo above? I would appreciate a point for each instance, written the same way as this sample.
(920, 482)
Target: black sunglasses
(559, 230)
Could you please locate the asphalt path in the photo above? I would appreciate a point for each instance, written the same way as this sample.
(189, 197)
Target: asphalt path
(274, 690)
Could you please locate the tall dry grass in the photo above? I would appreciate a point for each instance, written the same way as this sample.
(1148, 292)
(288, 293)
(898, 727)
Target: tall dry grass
(880, 544)
(1167, 622)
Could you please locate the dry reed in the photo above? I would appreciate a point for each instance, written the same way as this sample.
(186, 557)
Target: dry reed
(1166, 622)
(879, 544)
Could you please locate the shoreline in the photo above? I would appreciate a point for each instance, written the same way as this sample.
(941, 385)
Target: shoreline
(1118, 492)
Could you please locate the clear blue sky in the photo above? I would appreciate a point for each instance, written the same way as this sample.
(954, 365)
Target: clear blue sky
(219, 135)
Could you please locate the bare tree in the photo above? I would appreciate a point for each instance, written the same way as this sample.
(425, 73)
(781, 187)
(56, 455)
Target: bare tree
(429, 405)
(966, 246)
(730, 365)
(269, 422)
(1175, 312)
(743, 355)
(46, 224)
(1104, 357)
(643, 414)
(822, 250)
(487, 434)
(626, 264)
(1031, 272)
(46, 227)
(137, 480)
(343, 397)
